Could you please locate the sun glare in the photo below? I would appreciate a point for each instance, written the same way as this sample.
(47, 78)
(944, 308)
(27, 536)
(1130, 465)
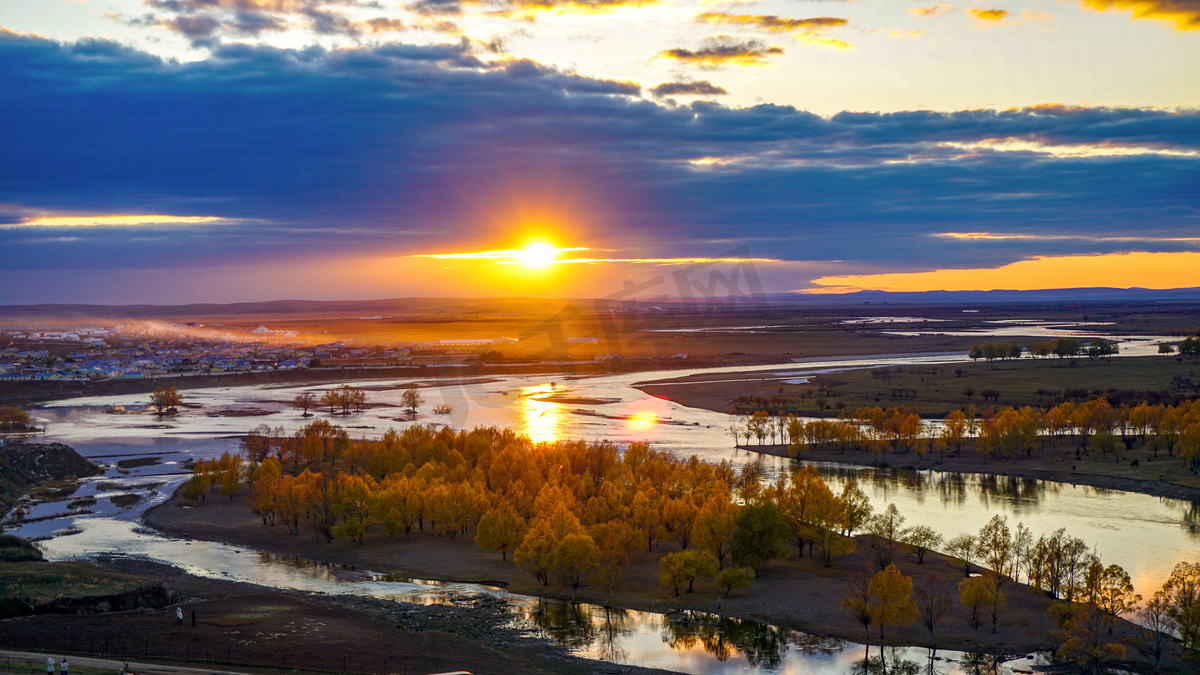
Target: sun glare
(642, 421)
(538, 255)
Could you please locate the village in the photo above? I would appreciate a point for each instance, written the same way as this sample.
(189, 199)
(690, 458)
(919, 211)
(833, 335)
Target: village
(88, 353)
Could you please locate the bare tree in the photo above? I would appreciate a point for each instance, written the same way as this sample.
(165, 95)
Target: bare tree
(412, 400)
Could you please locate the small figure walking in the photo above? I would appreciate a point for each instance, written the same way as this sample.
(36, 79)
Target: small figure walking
(193, 618)
(49, 665)
(64, 666)
(178, 616)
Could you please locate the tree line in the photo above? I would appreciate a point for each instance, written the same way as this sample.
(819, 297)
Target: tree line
(1058, 347)
(1092, 426)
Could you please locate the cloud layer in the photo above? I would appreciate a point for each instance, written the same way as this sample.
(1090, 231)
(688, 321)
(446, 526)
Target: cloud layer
(306, 153)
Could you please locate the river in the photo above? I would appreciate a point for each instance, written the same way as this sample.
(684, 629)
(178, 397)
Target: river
(1145, 535)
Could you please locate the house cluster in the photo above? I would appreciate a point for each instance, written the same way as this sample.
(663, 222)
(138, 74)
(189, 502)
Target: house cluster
(78, 353)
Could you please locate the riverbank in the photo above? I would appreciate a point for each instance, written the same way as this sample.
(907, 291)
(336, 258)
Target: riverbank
(1061, 469)
(256, 629)
(19, 392)
(796, 593)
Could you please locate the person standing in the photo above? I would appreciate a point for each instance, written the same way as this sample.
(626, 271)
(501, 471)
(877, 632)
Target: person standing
(178, 616)
(64, 666)
(193, 618)
(49, 665)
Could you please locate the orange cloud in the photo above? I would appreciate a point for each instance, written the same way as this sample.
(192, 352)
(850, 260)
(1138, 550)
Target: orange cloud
(932, 10)
(1185, 13)
(724, 50)
(772, 23)
(989, 14)
(818, 41)
(1117, 270)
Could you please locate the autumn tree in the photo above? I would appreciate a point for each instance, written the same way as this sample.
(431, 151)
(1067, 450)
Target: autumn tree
(861, 603)
(165, 400)
(1115, 594)
(13, 418)
(323, 505)
(304, 402)
(538, 550)
(353, 509)
(954, 430)
(713, 529)
(646, 514)
(1181, 593)
(685, 566)
(616, 542)
(892, 593)
(412, 400)
(973, 594)
(734, 577)
(856, 508)
(233, 469)
(398, 503)
(1085, 641)
(330, 399)
(679, 518)
(500, 529)
(264, 486)
(574, 556)
(983, 597)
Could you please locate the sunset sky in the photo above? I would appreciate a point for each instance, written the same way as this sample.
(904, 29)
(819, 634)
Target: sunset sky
(235, 150)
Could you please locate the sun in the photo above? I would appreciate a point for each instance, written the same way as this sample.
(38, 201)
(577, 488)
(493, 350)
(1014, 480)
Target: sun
(537, 255)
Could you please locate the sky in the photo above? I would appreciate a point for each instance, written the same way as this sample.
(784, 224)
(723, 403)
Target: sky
(170, 151)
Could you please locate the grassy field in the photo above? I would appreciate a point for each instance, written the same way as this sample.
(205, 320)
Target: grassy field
(936, 390)
(1032, 382)
(44, 582)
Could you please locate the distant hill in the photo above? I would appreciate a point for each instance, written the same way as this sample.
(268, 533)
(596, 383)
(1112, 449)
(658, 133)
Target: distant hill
(425, 306)
(1054, 295)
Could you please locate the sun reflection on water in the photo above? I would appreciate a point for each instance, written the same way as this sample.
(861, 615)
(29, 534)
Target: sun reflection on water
(542, 420)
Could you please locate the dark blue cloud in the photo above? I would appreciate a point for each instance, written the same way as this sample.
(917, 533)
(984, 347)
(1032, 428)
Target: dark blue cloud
(406, 148)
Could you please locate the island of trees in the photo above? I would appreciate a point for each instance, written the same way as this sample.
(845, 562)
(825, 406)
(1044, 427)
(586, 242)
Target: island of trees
(581, 514)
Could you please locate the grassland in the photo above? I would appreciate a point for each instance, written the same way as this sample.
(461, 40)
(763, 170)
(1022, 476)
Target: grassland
(935, 390)
(45, 583)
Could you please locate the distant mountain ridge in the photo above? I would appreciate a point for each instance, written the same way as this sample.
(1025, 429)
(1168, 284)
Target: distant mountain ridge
(392, 306)
(1098, 294)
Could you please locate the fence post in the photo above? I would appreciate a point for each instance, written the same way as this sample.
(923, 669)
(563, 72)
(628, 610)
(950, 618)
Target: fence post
(385, 660)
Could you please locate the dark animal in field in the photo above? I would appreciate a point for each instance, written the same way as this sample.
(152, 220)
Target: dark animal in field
(1133, 464)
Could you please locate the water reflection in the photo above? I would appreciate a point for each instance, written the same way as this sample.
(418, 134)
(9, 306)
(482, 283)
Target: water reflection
(571, 624)
(542, 419)
(762, 645)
